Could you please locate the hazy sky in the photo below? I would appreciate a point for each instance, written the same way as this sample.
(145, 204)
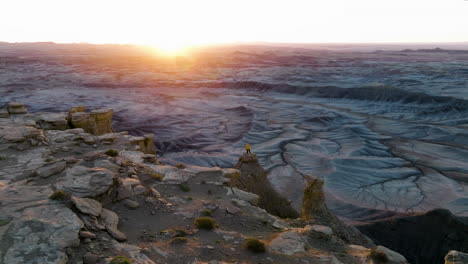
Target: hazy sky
(174, 23)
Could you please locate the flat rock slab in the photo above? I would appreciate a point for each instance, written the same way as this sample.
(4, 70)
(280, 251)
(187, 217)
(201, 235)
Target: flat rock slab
(87, 206)
(39, 229)
(85, 182)
(51, 169)
(288, 243)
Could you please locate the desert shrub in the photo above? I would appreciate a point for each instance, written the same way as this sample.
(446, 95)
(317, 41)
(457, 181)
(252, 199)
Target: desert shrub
(180, 166)
(206, 212)
(378, 257)
(207, 223)
(120, 260)
(112, 153)
(176, 232)
(58, 195)
(184, 187)
(178, 240)
(157, 176)
(232, 175)
(254, 245)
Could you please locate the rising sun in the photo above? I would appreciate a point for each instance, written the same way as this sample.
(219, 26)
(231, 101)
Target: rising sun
(170, 49)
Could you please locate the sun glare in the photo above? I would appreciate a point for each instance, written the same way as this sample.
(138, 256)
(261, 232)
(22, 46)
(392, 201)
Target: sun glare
(170, 49)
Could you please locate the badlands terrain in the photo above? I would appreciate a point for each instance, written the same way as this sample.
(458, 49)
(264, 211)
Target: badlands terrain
(385, 128)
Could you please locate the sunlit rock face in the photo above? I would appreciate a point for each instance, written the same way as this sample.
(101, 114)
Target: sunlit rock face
(386, 131)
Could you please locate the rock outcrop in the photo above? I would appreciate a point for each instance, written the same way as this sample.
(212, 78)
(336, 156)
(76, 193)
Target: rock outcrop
(68, 196)
(422, 238)
(96, 122)
(253, 178)
(315, 209)
(455, 257)
(16, 108)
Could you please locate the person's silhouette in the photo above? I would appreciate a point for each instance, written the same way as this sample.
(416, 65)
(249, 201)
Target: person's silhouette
(247, 148)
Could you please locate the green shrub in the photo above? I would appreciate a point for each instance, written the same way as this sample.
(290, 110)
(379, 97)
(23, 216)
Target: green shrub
(254, 245)
(121, 260)
(4, 222)
(178, 240)
(3, 157)
(378, 257)
(207, 223)
(157, 176)
(180, 166)
(112, 153)
(184, 187)
(59, 195)
(206, 213)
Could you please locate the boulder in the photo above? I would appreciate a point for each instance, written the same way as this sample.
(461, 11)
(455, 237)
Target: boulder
(97, 122)
(242, 195)
(16, 108)
(20, 133)
(134, 252)
(115, 233)
(288, 243)
(131, 204)
(51, 169)
(4, 113)
(52, 121)
(325, 230)
(456, 257)
(39, 229)
(144, 143)
(393, 257)
(85, 182)
(87, 206)
(109, 218)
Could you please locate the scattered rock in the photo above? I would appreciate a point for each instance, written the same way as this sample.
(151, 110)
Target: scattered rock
(85, 182)
(131, 204)
(243, 195)
(90, 258)
(325, 230)
(115, 233)
(4, 113)
(456, 257)
(393, 257)
(87, 234)
(51, 169)
(87, 206)
(16, 108)
(288, 243)
(109, 218)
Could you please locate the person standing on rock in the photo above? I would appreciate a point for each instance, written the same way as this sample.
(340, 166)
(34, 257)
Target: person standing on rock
(247, 148)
